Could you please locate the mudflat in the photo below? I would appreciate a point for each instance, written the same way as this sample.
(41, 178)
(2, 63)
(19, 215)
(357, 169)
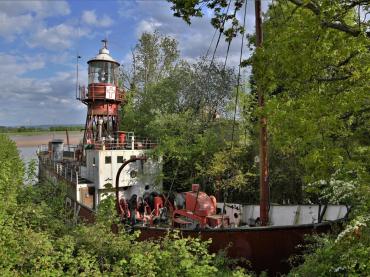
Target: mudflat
(30, 140)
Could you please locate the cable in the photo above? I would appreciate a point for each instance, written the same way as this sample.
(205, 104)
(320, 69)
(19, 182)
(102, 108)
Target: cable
(238, 81)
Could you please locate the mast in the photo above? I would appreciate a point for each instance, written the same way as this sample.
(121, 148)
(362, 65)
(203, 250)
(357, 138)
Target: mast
(264, 166)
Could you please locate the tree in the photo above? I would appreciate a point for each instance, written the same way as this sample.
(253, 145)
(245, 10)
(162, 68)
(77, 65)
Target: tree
(317, 81)
(153, 58)
(185, 109)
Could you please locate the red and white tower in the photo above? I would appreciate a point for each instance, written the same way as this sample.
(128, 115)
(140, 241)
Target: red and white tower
(103, 99)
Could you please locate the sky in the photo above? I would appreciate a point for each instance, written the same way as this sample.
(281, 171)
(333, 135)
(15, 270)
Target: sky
(39, 41)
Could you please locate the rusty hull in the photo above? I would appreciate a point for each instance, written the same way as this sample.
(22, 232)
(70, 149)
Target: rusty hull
(267, 248)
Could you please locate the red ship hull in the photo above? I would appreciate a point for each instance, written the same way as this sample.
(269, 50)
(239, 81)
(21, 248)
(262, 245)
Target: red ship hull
(266, 248)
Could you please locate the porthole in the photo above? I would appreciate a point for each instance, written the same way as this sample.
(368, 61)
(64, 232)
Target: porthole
(133, 173)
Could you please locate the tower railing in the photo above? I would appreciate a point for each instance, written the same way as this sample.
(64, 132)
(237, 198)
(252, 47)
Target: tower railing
(97, 92)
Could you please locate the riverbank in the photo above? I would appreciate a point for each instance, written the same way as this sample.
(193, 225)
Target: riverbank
(33, 139)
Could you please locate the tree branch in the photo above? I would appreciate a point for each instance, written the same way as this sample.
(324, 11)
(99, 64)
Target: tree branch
(340, 26)
(334, 78)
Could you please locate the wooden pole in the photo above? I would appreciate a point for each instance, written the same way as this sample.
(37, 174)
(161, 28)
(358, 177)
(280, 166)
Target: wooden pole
(264, 166)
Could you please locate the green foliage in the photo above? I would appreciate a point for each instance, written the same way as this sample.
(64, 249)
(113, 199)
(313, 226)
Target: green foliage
(186, 145)
(227, 169)
(346, 255)
(317, 88)
(11, 173)
(223, 18)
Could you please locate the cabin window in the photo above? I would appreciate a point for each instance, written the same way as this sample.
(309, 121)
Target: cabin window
(120, 159)
(108, 159)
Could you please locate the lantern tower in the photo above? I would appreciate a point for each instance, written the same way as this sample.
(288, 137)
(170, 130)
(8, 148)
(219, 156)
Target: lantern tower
(103, 98)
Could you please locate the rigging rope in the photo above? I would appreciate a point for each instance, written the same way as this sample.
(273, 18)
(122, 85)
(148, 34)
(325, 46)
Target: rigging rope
(229, 42)
(227, 54)
(238, 80)
(221, 31)
(209, 48)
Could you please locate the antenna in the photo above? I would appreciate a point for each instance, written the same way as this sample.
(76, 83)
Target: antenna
(77, 58)
(77, 84)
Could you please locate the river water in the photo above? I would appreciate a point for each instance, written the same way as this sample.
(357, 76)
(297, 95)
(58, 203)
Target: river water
(28, 144)
(27, 153)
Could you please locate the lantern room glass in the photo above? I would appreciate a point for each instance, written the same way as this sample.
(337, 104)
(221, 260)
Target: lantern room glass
(103, 72)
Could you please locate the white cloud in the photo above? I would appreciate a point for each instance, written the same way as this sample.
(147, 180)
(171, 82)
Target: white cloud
(57, 37)
(127, 9)
(13, 25)
(22, 97)
(147, 26)
(27, 20)
(89, 17)
(18, 65)
(40, 8)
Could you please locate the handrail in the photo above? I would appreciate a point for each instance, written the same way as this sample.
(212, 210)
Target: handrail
(64, 171)
(129, 145)
(97, 92)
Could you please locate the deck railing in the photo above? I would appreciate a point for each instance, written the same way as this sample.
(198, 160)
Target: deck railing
(134, 144)
(67, 171)
(131, 142)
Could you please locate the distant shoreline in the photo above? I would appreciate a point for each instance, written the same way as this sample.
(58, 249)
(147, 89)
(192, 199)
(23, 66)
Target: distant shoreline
(33, 139)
